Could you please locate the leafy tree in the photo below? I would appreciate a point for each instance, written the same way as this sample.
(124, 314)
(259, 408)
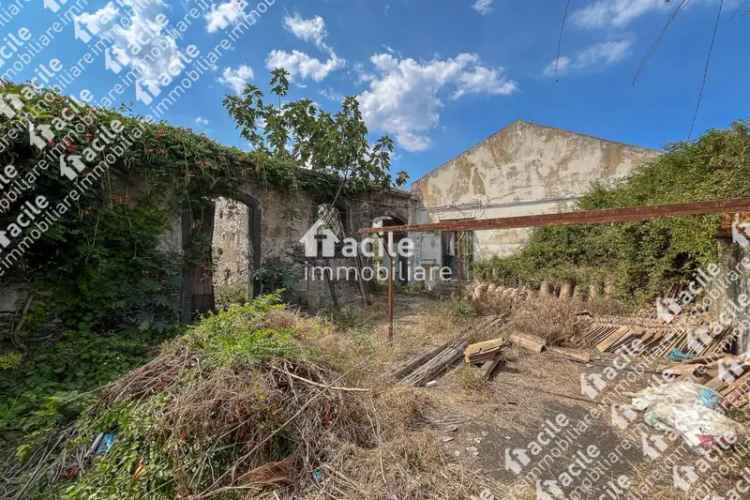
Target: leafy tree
(301, 132)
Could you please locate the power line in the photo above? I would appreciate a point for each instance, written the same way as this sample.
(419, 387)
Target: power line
(706, 69)
(560, 38)
(657, 42)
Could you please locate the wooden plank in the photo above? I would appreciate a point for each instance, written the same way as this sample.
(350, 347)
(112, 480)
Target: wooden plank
(529, 342)
(481, 347)
(574, 354)
(419, 361)
(489, 367)
(613, 338)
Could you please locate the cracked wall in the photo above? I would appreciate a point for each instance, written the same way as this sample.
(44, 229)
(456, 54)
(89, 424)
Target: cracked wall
(525, 169)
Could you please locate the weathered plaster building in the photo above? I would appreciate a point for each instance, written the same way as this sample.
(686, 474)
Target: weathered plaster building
(523, 169)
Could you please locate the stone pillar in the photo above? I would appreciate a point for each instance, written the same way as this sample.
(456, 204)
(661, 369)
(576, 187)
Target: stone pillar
(732, 289)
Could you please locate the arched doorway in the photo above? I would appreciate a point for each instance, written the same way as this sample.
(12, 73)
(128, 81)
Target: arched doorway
(222, 244)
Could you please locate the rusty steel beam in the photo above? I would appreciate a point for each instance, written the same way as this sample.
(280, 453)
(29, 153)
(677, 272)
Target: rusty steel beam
(605, 216)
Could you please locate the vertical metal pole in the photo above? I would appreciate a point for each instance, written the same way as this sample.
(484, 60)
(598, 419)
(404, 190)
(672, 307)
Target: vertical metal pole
(391, 294)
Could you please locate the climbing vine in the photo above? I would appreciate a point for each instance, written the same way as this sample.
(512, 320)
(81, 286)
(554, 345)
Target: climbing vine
(641, 259)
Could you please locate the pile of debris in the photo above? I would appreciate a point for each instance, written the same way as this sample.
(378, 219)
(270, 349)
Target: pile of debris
(692, 411)
(487, 354)
(425, 368)
(727, 375)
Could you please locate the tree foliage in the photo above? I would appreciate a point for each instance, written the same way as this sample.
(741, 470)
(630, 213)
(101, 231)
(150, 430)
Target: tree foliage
(304, 133)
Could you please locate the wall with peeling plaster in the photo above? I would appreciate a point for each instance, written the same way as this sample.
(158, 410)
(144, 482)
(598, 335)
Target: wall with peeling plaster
(524, 169)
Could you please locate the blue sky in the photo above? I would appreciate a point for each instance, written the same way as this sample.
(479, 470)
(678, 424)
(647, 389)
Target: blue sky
(439, 75)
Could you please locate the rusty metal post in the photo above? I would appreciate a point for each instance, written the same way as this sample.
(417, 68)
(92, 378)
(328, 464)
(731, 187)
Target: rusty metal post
(391, 296)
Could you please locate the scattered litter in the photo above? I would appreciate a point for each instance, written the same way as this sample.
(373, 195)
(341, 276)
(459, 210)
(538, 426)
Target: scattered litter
(678, 356)
(431, 383)
(317, 475)
(448, 439)
(105, 443)
(725, 374)
(691, 410)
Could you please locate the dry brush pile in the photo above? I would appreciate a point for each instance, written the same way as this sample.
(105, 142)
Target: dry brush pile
(240, 406)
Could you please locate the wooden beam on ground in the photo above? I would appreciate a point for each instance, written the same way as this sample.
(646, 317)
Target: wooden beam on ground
(529, 342)
(574, 354)
(605, 216)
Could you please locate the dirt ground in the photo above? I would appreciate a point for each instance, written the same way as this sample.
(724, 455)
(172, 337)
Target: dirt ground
(531, 431)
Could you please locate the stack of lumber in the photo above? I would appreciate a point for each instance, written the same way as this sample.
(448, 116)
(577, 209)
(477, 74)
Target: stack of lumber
(729, 375)
(438, 364)
(435, 362)
(485, 351)
(609, 333)
(488, 354)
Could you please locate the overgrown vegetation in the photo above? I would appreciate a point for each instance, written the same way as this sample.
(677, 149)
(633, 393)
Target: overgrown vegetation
(640, 259)
(245, 402)
(104, 283)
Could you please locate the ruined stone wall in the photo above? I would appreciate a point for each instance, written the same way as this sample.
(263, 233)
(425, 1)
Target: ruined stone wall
(284, 219)
(524, 169)
(231, 244)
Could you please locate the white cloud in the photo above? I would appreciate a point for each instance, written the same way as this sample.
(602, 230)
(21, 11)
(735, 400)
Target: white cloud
(308, 30)
(620, 13)
(482, 80)
(603, 54)
(201, 121)
(404, 95)
(484, 7)
(299, 64)
(331, 94)
(236, 79)
(144, 45)
(558, 66)
(596, 56)
(224, 15)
